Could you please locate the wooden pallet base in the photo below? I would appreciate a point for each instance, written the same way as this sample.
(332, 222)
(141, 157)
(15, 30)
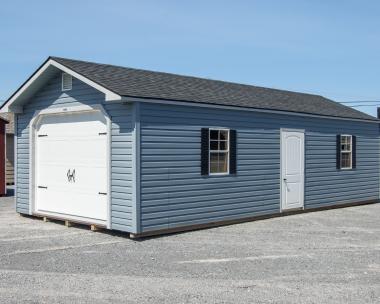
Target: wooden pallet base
(94, 228)
(69, 223)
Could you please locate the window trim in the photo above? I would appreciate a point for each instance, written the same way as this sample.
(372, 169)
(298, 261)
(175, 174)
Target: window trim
(63, 81)
(341, 152)
(219, 151)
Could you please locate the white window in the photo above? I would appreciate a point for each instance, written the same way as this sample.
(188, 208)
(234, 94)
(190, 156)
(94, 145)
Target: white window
(67, 82)
(219, 149)
(346, 151)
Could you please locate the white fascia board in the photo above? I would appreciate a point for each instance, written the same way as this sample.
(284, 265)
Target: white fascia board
(109, 95)
(237, 108)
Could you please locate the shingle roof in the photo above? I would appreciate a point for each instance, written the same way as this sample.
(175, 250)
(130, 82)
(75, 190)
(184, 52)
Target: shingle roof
(131, 82)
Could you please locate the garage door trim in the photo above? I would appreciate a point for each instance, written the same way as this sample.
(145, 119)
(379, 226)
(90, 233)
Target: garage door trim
(32, 141)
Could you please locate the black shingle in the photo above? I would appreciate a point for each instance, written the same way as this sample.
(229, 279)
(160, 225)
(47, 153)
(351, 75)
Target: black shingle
(156, 85)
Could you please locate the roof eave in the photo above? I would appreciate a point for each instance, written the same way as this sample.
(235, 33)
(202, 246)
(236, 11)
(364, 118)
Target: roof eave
(126, 98)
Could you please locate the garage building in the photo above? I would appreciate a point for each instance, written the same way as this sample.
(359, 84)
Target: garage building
(149, 152)
(9, 147)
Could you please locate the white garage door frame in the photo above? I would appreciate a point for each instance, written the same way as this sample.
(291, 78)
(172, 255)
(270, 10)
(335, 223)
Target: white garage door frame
(32, 152)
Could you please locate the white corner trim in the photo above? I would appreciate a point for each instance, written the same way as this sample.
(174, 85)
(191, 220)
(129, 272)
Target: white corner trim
(109, 95)
(136, 188)
(32, 165)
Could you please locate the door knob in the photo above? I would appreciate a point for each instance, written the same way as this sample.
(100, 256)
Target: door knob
(285, 179)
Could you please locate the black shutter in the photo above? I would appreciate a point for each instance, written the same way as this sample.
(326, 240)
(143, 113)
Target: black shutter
(338, 147)
(204, 151)
(353, 152)
(232, 151)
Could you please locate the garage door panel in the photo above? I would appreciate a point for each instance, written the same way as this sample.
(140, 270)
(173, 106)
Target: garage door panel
(71, 165)
(90, 177)
(63, 202)
(87, 150)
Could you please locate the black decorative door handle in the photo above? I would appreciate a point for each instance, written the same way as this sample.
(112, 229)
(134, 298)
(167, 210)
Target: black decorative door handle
(71, 176)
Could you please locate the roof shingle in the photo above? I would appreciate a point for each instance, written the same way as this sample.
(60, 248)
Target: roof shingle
(131, 82)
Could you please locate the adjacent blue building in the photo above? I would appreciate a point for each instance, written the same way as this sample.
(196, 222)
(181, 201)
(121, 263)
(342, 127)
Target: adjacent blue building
(148, 152)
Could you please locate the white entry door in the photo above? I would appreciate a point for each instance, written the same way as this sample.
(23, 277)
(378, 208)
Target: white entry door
(71, 166)
(292, 169)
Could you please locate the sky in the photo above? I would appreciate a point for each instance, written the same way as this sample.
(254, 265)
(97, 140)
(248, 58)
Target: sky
(331, 48)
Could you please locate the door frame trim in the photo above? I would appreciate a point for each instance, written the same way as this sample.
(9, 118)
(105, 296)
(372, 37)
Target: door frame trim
(304, 160)
(32, 142)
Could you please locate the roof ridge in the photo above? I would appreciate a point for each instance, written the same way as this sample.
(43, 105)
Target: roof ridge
(190, 76)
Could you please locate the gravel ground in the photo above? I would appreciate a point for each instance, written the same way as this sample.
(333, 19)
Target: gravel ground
(322, 257)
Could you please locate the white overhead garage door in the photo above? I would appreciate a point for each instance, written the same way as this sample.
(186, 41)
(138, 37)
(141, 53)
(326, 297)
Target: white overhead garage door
(71, 166)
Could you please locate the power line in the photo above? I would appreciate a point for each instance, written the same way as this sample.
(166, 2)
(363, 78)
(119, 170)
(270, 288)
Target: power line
(364, 105)
(361, 101)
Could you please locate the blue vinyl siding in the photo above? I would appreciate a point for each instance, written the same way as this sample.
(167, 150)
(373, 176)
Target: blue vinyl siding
(174, 194)
(121, 145)
(156, 182)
